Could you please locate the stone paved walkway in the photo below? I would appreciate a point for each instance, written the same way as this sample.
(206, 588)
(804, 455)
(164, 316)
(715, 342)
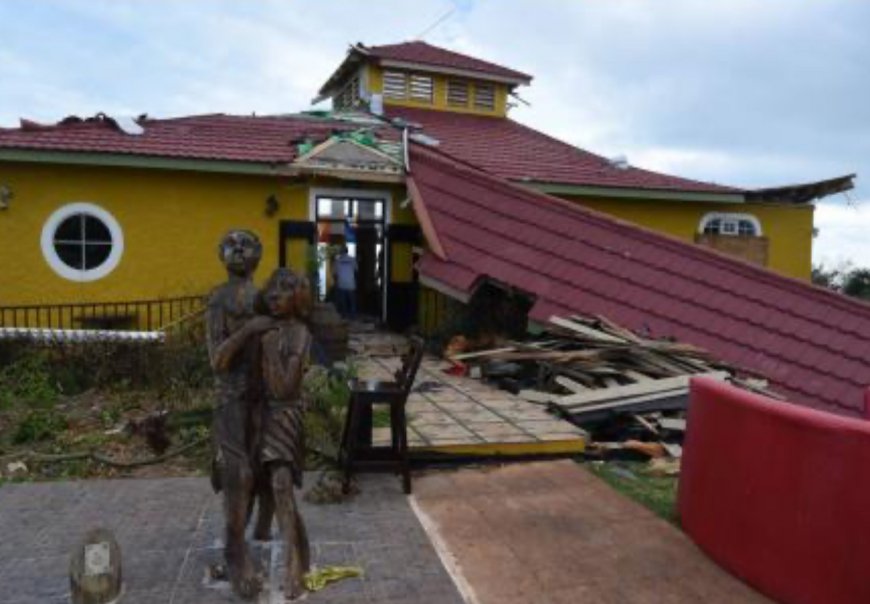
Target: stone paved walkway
(454, 411)
(170, 529)
(552, 533)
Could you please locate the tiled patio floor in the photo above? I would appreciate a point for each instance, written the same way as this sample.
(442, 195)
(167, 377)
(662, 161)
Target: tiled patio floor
(461, 415)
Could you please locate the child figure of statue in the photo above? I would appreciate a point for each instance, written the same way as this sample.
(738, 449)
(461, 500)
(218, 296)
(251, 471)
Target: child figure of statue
(284, 357)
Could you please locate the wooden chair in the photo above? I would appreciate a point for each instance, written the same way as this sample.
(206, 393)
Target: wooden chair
(356, 448)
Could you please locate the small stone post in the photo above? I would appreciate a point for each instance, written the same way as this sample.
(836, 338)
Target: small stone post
(95, 569)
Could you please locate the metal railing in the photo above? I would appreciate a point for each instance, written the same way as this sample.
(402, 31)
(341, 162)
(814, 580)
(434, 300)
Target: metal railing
(135, 315)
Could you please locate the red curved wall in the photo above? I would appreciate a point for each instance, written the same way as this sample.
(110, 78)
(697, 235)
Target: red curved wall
(778, 494)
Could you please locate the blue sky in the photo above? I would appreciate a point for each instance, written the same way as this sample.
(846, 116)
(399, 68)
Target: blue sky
(741, 92)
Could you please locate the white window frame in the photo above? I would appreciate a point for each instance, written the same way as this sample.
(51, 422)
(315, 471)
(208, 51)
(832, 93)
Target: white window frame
(62, 268)
(391, 86)
(421, 88)
(484, 100)
(730, 218)
(458, 92)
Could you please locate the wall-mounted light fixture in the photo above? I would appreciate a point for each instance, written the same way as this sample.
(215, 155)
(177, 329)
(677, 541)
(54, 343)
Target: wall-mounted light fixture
(6, 196)
(272, 205)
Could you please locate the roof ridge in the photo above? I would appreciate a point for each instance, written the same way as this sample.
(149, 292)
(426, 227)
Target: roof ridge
(737, 265)
(378, 49)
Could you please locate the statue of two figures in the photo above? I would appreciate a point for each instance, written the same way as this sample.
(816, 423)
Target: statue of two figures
(258, 344)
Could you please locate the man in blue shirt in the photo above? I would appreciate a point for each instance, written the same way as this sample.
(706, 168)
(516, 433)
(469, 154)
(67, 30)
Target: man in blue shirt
(344, 270)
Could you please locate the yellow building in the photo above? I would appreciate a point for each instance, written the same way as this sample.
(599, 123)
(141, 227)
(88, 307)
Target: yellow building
(101, 210)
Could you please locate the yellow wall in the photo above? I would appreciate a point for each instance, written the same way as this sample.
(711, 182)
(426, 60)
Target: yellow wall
(439, 100)
(788, 228)
(172, 222)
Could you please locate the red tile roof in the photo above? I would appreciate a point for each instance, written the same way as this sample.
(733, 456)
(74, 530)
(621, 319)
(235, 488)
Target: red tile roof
(210, 137)
(425, 54)
(511, 150)
(500, 146)
(813, 345)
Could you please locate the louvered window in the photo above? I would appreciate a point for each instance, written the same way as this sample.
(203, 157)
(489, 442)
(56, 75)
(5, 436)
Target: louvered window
(421, 88)
(395, 85)
(348, 97)
(484, 96)
(457, 93)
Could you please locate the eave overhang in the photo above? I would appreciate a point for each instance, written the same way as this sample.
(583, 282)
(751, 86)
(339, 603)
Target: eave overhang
(803, 193)
(632, 192)
(129, 160)
(466, 73)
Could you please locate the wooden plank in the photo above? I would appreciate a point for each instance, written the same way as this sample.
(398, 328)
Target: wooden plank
(636, 375)
(651, 387)
(620, 331)
(673, 423)
(480, 353)
(646, 424)
(585, 331)
(535, 396)
(629, 404)
(673, 449)
(569, 384)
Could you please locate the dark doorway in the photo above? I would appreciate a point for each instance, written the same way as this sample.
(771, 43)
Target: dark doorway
(358, 223)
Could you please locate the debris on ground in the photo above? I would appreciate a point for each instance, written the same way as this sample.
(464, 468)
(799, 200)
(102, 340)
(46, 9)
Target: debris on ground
(319, 578)
(628, 391)
(154, 429)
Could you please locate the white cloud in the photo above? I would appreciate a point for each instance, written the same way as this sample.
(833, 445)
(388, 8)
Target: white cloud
(843, 230)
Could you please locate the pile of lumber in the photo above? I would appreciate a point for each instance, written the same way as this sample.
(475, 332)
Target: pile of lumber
(588, 368)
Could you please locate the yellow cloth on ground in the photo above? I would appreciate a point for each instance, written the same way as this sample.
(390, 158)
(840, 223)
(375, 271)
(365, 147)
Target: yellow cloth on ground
(321, 577)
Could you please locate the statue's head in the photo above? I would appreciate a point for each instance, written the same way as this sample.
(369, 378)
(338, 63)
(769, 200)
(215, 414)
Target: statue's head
(278, 296)
(240, 252)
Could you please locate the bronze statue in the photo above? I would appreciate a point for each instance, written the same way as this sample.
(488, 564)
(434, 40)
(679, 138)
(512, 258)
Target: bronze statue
(284, 357)
(259, 424)
(234, 429)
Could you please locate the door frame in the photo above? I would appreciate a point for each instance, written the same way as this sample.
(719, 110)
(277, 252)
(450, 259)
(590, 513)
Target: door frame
(367, 194)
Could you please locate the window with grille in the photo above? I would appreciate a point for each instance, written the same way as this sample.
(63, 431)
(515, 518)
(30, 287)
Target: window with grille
(457, 93)
(484, 96)
(421, 88)
(349, 95)
(395, 85)
(82, 242)
(718, 223)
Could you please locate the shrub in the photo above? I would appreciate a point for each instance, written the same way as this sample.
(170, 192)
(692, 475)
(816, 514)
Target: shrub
(327, 393)
(37, 425)
(27, 380)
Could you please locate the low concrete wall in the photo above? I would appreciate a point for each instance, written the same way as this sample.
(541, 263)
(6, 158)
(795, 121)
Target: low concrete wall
(778, 494)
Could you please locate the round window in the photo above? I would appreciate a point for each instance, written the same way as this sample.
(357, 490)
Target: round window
(82, 242)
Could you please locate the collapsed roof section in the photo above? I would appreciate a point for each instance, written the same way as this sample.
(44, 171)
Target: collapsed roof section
(812, 345)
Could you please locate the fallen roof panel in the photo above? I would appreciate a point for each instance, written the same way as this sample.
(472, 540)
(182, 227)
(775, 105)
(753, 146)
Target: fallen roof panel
(813, 345)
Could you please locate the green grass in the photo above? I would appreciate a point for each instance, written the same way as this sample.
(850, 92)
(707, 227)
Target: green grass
(657, 493)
